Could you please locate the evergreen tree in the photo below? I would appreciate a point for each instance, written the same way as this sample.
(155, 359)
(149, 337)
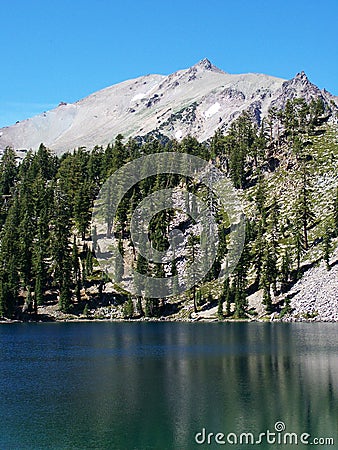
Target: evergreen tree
(8, 171)
(39, 270)
(224, 297)
(82, 208)
(75, 261)
(240, 281)
(304, 214)
(192, 253)
(228, 298)
(119, 154)
(298, 247)
(61, 252)
(9, 262)
(96, 169)
(285, 270)
(128, 308)
(89, 262)
(267, 301)
(119, 266)
(269, 270)
(65, 288)
(94, 238)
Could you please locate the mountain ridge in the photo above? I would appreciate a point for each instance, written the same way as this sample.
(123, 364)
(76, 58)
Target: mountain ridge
(194, 101)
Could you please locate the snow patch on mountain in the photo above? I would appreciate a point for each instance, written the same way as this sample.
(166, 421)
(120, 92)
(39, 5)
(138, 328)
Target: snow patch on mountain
(178, 134)
(212, 110)
(138, 97)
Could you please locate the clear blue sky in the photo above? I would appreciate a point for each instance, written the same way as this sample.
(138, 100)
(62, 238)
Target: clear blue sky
(65, 50)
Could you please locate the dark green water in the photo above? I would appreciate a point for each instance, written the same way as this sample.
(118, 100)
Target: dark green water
(155, 385)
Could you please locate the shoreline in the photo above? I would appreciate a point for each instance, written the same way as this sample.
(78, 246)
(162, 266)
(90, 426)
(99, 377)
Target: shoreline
(164, 319)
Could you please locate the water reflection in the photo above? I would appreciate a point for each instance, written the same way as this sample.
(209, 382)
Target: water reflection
(149, 386)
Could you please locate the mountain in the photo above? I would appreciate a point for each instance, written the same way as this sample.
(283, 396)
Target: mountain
(285, 173)
(195, 101)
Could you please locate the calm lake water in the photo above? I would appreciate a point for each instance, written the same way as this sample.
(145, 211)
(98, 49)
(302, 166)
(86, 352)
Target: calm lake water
(155, 385)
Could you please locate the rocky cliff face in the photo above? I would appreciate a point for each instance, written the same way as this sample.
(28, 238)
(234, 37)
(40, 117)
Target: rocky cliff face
(195, 101)
(300, 86)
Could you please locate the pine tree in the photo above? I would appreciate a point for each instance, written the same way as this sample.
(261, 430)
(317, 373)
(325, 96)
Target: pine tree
(82, 208)
(269, 273)
(269, 269)
(75, 260)
(76, 270)
(220, 314)
(285, 270)
(39, 270)
(240, 301)
(9, 262)
(191, 244)
(128, 308)
(107, 164)
(142, 269)
(94, 238)
(8, 175)
(299, 249)
(229, 299)
(65, 288)
(240, 281)
(61, 251)
(44, 163)
(96, 169)
(174, 274)
(139, 306)
(89, 263)
(304, 213)
(289, 119)
(148, 307)
(119, 154)
(29, 297)
(119, 263)
(8, 171)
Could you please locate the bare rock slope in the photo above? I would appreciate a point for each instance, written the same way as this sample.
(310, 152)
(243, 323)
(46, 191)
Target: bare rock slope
(315, 295)
(194, 101)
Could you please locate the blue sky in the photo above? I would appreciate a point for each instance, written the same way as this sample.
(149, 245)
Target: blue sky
(65, 50)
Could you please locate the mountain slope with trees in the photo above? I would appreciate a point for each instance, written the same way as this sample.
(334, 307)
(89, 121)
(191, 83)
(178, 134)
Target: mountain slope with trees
(285, 171)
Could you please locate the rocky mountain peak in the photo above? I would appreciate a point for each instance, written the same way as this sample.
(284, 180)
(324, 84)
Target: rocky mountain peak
(206, 64)
(300, 86)
(301, 80)
(302, 76)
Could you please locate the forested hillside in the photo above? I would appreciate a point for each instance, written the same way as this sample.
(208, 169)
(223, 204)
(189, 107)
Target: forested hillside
(285, 172)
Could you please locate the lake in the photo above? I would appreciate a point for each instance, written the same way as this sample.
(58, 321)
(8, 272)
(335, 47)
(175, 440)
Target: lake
(167, 385)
